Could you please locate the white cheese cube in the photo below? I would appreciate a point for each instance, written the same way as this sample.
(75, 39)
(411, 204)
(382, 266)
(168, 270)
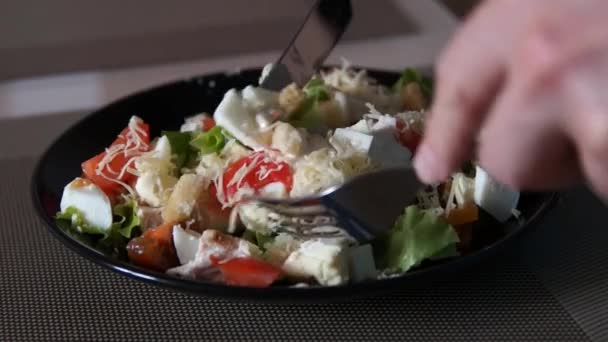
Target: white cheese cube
(259, 98)
(153, 188)
(156, 176)
(90, 200)
(495, 198)
(233, 116)
(361, 142)
(327, 263)
(382, 147)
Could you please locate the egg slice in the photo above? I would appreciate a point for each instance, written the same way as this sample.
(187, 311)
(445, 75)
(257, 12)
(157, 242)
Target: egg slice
(91, 202)
(186, 244)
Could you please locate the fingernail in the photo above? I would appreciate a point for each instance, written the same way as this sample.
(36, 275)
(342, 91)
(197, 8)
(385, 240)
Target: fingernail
(426, 165)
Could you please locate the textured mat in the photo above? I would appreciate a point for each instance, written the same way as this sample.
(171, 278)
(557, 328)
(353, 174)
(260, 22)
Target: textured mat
(48, 293)
(569, 255)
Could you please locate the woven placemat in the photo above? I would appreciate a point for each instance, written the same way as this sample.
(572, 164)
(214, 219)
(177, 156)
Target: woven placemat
(569, 254)
(47, 292)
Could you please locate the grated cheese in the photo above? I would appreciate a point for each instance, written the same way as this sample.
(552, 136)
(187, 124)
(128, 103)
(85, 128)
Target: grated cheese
(133, 147)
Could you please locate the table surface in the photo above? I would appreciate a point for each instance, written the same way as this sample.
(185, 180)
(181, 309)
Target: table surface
(552, 286)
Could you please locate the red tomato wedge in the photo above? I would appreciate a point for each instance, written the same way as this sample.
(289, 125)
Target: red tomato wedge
(408, 137)
(260, 170)
(119, 160)
(248, 272)
(208, 123)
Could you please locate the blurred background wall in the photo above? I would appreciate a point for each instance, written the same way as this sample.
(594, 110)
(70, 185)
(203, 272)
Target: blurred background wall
(58, 37)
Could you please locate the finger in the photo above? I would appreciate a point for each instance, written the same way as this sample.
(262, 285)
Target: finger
(469, 74)
(522, 143)
(555, 40)
(587, 122)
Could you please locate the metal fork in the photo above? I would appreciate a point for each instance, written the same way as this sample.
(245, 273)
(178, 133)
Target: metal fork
(365, 206)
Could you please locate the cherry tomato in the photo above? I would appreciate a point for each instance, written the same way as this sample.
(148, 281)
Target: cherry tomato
(247, 272)
(208, 123)
(264, 171)
(408, 137)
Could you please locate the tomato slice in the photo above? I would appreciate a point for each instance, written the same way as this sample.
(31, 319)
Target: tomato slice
(408, 137)
(117, 163)
(247, 272)
(208, 123)
(263, 170)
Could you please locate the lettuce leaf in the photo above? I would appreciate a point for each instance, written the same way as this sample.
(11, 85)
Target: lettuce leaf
(112, 242)
(126, 220)
(211, 141)
(317, 90)
(257, 238)
(307, 115)
(414, 76)
(76, 221)
(180, 147)
(417, 235)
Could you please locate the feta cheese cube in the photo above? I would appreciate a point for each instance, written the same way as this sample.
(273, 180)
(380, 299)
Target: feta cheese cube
(233, 116)
(256, 98)
(381, 146)
(156, 176)
(326, 263)
(495, 198)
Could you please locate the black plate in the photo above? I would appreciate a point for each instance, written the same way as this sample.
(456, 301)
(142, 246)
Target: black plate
(164, 108)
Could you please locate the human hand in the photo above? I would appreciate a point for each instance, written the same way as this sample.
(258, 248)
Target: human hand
(526, 82)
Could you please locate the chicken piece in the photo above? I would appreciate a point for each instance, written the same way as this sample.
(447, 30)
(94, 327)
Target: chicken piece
(291, 97)
(219, 245)
(207, 213)
(149, 217)
(287, 139)
(183, 198)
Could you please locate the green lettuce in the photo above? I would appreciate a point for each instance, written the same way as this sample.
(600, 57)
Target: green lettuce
(257, 238)
(208, 142)
(180, 147)
(113, 241)
(414, 76)
(417, 235)
(317, 90)
(126, 221)
(306, 114)
(76, 221)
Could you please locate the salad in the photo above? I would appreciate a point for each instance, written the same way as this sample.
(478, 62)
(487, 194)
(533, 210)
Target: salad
(176, 203)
